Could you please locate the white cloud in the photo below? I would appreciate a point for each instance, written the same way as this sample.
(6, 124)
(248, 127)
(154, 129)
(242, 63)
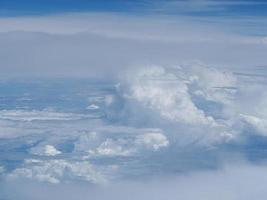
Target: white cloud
(112, 147)
(111, 144)
(156, 113)
(229, 183)
(87, 141)
(55, 171)
(214, 84)
(46, 150)
(26, 115)
(93, 107)
(258, 123)
(153, 141)
(161, 91)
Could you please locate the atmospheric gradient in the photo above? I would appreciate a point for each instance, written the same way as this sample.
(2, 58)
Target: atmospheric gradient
(133, 100)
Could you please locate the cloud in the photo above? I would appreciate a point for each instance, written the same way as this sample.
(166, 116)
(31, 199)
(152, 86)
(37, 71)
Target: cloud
(141, 135)
(25, 115)
(230, 183)
(102, 45)
(259, 124)
(93, 107)
(47, 150)
(112, 145)
(179, 98)
(153, 141)
(53, 171)
(164, 92)
(158, 114)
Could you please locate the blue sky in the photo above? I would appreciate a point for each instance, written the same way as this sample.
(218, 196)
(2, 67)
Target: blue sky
(174, 7)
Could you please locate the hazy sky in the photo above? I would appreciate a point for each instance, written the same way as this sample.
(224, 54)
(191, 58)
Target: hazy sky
(178, 108)
(93, 38)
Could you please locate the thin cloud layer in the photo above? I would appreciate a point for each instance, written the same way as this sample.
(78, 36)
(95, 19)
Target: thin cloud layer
(75, 45)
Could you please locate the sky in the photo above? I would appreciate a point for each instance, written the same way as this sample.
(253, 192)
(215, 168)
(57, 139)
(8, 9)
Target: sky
(72, 36)
(176, 7)
(133, 99)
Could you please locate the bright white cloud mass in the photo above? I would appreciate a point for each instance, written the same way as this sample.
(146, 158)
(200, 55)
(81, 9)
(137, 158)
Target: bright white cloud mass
(114, 106)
